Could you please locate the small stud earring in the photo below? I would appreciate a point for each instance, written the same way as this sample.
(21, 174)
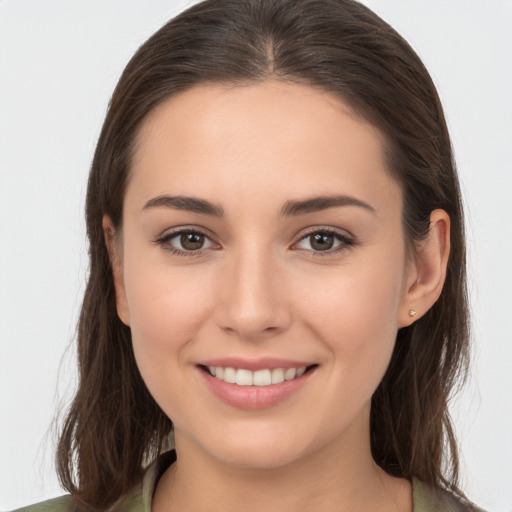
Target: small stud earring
(412, 312)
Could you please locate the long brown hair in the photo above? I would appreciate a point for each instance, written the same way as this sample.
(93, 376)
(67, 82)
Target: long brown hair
(114, 427)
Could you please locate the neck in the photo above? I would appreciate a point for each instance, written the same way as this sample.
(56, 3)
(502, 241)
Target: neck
(340, 476)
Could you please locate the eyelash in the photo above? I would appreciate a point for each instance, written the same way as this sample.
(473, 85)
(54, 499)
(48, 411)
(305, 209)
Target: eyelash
(164, 241)
(345, 242)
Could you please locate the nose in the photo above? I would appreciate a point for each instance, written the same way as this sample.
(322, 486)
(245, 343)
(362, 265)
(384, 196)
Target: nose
(254, 303)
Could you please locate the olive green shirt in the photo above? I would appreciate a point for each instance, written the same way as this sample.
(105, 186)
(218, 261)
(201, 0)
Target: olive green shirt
(425, 499)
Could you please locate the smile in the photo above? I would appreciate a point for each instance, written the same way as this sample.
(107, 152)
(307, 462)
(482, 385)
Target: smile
(264, 377)
(267, 384)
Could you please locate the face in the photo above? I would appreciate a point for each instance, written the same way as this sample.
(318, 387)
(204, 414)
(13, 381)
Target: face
(262, 241)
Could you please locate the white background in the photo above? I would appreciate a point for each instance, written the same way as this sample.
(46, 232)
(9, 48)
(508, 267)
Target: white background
(59, 62)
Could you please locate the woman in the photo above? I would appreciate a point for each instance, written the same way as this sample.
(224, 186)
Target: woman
(277, 280)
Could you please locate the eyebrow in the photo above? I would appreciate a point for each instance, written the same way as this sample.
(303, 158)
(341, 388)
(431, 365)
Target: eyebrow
(290, 208)
(191, 204)
(315, 204)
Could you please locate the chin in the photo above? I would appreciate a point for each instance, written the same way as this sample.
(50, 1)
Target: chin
(257, 448)
(256, 457)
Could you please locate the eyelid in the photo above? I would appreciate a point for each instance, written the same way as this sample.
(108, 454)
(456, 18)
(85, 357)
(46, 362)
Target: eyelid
(167, 236)
(326, 229)
(347, 240)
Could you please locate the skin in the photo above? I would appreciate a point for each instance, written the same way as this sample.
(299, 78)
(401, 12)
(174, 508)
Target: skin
(259, 288)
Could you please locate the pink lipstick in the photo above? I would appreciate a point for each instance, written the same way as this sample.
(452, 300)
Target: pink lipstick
(255, 384)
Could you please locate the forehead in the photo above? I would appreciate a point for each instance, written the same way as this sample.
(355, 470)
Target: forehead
(216, 140)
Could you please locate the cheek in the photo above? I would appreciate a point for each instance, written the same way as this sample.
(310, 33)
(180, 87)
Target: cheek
(166, 308)
(355, 312)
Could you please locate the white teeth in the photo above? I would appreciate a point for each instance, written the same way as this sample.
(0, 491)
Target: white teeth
(290, 373)
(262, 378)
(277, 376)
(243, 377)
(229, 375)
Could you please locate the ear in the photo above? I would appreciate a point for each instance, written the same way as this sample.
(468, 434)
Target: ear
(113, 242)
(426, 273)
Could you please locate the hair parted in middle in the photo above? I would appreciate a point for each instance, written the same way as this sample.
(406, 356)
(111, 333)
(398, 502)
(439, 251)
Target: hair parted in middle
(114, 427)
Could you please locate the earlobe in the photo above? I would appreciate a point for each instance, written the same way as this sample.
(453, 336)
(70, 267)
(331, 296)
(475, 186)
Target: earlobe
(114, 251)
(427, 272)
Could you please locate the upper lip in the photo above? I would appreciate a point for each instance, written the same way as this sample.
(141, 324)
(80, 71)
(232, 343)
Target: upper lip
(255, 364)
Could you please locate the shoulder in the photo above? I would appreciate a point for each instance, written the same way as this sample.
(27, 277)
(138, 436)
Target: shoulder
(62, 504)
(133, 502)
(138, 500)
(428, 499)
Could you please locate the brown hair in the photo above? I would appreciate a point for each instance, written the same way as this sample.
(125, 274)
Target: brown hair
(114, 427)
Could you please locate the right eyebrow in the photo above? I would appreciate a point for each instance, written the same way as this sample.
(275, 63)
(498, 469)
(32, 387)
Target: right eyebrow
(318, 203)
(191, 204)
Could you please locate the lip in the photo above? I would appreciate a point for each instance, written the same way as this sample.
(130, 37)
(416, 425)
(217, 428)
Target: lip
(254, 397)
(254, 365)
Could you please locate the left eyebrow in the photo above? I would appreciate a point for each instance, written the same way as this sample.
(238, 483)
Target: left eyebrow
(318, 203)
(191, 204)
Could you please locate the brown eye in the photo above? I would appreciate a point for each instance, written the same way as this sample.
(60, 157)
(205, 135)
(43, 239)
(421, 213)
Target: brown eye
(192, 241)
(186, 242)
(322, 241)
(325, 241)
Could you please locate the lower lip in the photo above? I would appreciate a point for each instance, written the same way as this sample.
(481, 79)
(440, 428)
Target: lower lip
(254, 397)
